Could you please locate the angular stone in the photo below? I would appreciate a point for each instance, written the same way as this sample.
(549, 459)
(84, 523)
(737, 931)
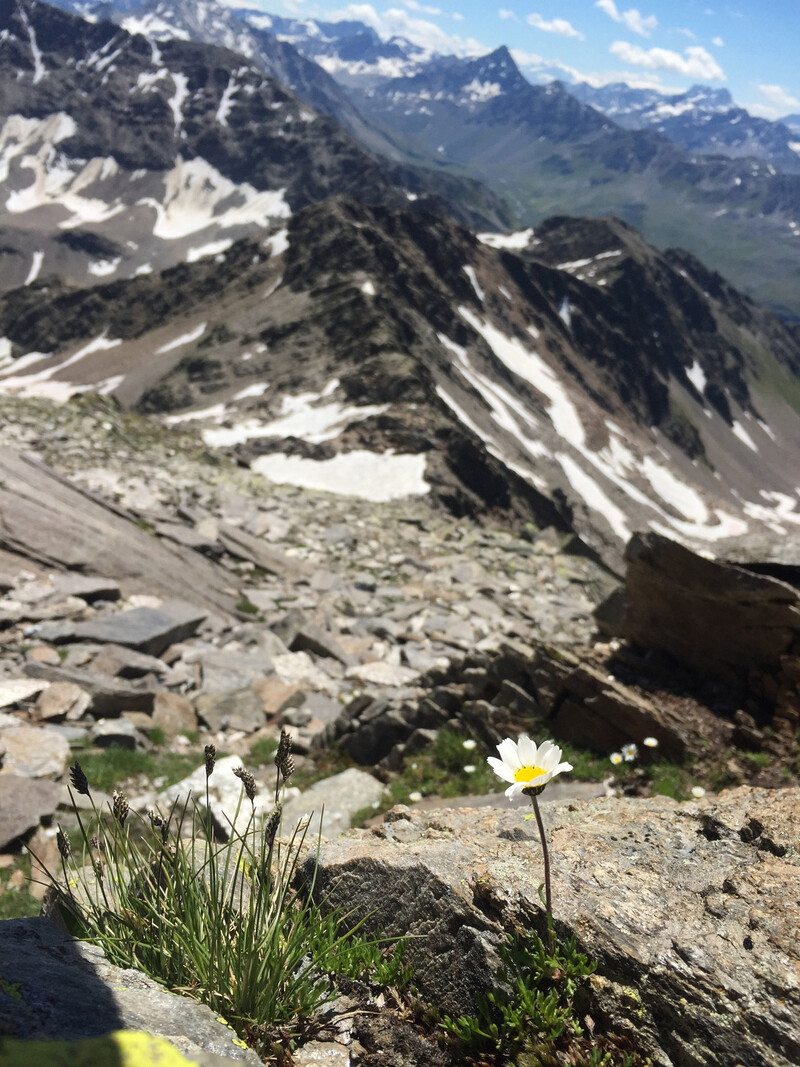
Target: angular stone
(382, 673)
(173, 713)
(689, 909)
(109, 696)
(334, 800)
(241, 709)
(24, 802)
(49, 974)
(43, 654)
(120, 662)
(87, 588)
(277, 696)
(15, 690)
(115, 733)
(223, 669)
(35, 751)
(297, 668)
(189, 537)
(243, 545)
(150, 630)
(63, 700)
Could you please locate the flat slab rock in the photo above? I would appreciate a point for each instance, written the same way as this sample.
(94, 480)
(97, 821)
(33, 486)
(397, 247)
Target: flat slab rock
(52, 987)
(691, 910)
(23, 803)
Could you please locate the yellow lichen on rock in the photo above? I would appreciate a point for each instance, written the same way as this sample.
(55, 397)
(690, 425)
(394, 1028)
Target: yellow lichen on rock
(123, 1048)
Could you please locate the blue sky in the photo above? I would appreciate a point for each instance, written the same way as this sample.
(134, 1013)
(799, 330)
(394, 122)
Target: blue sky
(748, 47)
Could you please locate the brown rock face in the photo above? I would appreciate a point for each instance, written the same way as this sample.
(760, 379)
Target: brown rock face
(719, 619)
(689, 909)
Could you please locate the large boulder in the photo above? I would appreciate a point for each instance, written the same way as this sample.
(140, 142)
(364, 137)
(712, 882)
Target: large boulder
(690, 910)
(721, 620)
(54, 988)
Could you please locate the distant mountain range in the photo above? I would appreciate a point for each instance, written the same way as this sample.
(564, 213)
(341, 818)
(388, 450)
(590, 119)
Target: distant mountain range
(701, 119)
(180, 231)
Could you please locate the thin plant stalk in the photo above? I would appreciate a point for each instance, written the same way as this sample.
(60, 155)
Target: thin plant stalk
(548, 899)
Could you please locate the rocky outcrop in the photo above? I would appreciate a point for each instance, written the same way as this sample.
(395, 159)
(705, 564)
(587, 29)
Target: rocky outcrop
(54, 988)
(689, 909)
(49, 520)
(722, 620)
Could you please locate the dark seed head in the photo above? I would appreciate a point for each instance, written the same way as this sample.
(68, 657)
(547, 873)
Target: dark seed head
(283, 757)
(80, 782)
(271, 827)
(119, 807)
(248, 781)
(211, 758)
(64, 846)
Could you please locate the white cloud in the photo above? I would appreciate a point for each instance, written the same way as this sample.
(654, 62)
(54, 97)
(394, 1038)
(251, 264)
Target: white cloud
(779, 96)
(396, 22)
(415, 6)
(544, 70)
(718, 42)
(457, 17)
(559, 26)
(503, 14)
(695, 62)
(633, 19)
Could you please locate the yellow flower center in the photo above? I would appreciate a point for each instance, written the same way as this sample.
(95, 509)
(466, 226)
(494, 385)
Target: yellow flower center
(527, 774)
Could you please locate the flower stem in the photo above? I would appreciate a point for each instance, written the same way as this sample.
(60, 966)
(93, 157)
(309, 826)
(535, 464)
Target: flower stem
(546, 856)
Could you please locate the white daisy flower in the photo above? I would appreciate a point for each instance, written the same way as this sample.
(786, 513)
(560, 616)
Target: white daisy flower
(698, 791)
(616, 757)
(469, 745)
(469, 768)
(527, 765)
(650, 742)
(629, 752)
(414, 797)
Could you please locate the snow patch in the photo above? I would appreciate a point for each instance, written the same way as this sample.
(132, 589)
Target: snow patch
(184, 339)
(101, 268)
(226, 102)
(470, 273)
(374, 476)
(213, 248)
(697, 377)
(278, 243)
(368, 288)
(196, 195)
(36, 266)
(594, 497)
(740, 432)
(518, 240)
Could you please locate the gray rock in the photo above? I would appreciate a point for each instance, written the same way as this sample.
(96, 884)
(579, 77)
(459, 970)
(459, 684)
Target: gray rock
(35, 751)
(87, 588)
(150, 630)
(243, 545)
(173, 713)
(223, 669)
(109, 696)
(120, 662)
(49, 975)
(334, 800)
(15, 690)
(240, 709)
(115, 733)
(62, 700)
(690, 910)
(189, 537)
(49, 520)
(24, 802)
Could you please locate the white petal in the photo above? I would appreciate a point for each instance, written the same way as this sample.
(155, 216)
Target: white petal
(508, 754)
(501, 769)
(515, 789)
(561, 767)
(527, 751)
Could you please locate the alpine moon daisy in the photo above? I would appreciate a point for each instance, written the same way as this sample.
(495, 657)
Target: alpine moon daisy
(526, 765)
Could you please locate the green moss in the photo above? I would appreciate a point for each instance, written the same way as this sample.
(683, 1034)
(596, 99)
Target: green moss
(263, 751)
(110, 768)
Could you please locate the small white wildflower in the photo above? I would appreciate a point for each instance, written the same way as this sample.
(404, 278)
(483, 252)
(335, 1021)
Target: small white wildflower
(414, 797)
(698, 791)
(414, 766)
(527, 765)
(469, 768)
(616, 757)
(650, 742)
(629, 752)
(469, 745)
